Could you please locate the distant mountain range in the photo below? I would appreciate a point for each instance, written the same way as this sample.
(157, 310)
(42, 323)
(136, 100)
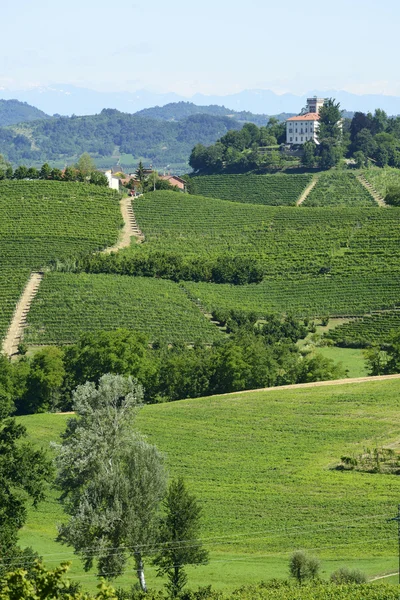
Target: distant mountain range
(13, 112)
(68, 100)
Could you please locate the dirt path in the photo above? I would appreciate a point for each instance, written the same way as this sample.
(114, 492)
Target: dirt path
(376, 196)
(130, 229)
(312, 384)
(383, 576)
(308, 189)
(18, 323)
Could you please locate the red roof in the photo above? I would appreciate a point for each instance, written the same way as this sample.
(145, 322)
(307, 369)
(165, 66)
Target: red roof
(306, 117)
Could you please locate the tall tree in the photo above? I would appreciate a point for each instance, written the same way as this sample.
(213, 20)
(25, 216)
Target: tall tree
(85, 165)
(112, 480)
(24, 472)
(140, 174)
(179, 537)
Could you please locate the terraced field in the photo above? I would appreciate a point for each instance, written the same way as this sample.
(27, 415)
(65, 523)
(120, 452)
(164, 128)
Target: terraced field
(69, 304)
(371, 329)
(337, 188)
(289, 242)
(45, 220)
(272, 190)
(313, 297)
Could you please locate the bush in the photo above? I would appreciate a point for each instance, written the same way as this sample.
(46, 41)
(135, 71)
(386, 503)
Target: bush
(344, 575)
(302, 566)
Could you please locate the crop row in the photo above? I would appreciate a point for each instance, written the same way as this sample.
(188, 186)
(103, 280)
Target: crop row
(69, 304)
(288, 242)
(273, 190)
(371, 329)
(338, 188)
(313, 297)
(47, 220)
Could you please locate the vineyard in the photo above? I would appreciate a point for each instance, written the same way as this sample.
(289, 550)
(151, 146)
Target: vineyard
(289, 242)
(44, 220)
(381, 179)
(68, 305)
(272, 190)
(371, 329)
(336, 188)
(340, 296)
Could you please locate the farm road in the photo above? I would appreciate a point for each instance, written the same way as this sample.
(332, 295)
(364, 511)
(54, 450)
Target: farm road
(129, 230)
(16, 329)
(308, 189)
(296, 386)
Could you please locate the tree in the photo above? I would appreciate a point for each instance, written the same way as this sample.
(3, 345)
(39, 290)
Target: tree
(140, 174)
(24, 472)
(98, 178)
(302, 566)
(179, 537)
(329, 134)
(21, 172)
(309, 154)
(43, 382)
(45, 171)
(85, 165)
(344, 575)
(70, 174)
(112, 480)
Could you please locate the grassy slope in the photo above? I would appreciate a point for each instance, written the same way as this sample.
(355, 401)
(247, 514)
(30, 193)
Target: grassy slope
(339, 188)
(260, 465)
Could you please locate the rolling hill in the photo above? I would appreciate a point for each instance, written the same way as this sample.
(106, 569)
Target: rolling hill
(262, 465)
(14, 111)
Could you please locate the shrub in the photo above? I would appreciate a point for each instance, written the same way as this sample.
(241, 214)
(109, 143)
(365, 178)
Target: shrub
(345, 575)
(302, 566)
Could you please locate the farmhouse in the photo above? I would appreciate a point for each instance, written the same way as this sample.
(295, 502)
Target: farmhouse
(175, 180)
(113, 182)
(304, 127)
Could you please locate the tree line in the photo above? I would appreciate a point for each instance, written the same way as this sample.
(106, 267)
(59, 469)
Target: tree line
(255, 355)
(84, 171)
(366, 138)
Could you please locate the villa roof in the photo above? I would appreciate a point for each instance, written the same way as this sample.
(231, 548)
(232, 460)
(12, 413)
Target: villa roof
(307, 117)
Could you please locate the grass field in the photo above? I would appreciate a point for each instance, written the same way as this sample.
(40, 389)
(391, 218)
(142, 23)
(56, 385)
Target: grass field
(70, 304)
(260, 464)
(381, 179)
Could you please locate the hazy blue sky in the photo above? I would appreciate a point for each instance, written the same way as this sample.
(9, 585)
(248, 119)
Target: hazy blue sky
(209, 46)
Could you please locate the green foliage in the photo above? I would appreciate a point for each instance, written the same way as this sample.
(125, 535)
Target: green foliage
(303, 567)
(272, 190)
(339, 188)
(393, 196)
(157, 142)
(68, 305)
(112, 480)
(309, 157)
(179, 532)
(345, 576)
(375, 329)
(236, 270)
(43, 584)
(43, 382)
(23, 474)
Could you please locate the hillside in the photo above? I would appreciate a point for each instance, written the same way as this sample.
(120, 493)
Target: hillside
(176, 111)
(14, 111)
(261, 465)
(48, 220)
(112, 136)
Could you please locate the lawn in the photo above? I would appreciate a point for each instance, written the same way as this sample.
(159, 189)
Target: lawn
(261, 466)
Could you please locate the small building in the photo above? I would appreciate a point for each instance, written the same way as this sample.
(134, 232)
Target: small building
(113, 182)
(175, 180)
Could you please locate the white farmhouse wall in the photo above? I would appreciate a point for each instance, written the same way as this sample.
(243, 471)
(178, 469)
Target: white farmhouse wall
(113, 182)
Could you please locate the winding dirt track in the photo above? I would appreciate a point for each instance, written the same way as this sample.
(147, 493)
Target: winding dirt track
(312, 384)
(129, 230)
(16, 329)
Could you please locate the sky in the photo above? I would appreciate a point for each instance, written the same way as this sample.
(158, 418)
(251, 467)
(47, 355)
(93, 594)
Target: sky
(209, 46)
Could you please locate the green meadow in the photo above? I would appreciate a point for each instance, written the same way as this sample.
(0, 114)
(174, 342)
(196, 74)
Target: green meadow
(262, 465)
